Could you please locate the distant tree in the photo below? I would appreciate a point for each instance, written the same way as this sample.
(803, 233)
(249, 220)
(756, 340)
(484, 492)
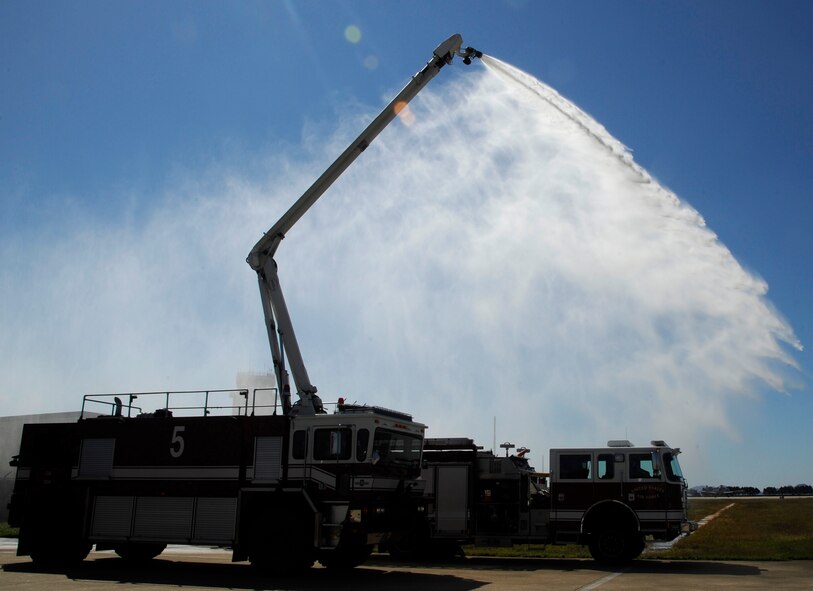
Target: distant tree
(751, 491)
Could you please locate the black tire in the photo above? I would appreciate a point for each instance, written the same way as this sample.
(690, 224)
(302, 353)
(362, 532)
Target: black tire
(614, 547)
(279, 561)
(279, 535)
(636, 546)
(443, 550)
(401, 549)
(346, 558)
(410, 545)
(56, 553)
(139, 552)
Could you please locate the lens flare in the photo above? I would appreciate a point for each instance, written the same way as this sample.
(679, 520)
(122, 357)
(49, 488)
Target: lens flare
(403, 111)
(371, 62)
(352, 34)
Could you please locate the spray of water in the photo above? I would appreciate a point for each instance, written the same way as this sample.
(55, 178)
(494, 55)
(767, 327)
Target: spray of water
(507, 257)
(500, 256)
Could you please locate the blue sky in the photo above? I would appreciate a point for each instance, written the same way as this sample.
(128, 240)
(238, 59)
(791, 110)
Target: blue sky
(111, 111)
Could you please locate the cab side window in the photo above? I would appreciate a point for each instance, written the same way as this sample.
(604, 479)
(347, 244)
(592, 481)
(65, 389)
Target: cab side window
(575, 467)
(641, 466)
(362, 442)
(332, 444)
(605, 467)
(299, 445)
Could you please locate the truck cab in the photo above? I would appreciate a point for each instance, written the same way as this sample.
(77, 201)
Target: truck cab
(611, 498)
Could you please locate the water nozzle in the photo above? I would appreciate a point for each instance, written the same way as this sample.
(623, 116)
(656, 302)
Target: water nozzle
(469, 53)
(452, 46)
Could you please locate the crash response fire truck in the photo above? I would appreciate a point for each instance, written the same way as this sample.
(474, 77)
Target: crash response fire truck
(281, 490)
(609, 498)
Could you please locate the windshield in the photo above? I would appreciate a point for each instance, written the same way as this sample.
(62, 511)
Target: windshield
(673, 471)
(391, 448)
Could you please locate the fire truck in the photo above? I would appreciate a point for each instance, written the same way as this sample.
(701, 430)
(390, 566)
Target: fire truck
(281, 490)
(609, 498)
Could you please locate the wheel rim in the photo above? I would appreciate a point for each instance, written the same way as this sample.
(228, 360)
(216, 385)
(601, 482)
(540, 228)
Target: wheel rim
(611, 544)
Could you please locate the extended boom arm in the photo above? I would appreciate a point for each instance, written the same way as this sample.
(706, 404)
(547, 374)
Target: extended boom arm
(278, 322)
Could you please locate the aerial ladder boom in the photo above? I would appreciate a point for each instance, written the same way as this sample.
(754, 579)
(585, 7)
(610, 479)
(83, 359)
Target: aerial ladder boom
(278, 323)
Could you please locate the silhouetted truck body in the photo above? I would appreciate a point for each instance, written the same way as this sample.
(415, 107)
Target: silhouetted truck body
(610, 498)
(281, 491)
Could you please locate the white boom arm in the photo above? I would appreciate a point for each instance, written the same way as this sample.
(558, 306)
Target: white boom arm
(261, 258)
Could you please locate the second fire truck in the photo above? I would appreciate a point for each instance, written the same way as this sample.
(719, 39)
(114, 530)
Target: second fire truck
(609, 498)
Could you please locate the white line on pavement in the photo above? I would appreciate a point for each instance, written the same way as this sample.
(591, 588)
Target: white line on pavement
(600, 582)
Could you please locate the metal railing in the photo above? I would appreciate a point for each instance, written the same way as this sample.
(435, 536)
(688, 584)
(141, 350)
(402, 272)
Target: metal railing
(218, 402)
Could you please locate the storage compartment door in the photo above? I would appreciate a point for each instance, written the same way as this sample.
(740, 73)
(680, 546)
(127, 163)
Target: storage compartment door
(452, 499)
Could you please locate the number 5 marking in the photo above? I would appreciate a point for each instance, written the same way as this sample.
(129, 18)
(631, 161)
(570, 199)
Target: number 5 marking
(177, 440)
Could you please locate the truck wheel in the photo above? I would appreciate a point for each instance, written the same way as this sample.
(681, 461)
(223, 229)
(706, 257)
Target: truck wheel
(443, 550)
(59, 553)
(139, 552)
(636, 545)
(277, 560)
(613, 547)
(402, 549)
(345, 558)
(408, 545)
(278, 531)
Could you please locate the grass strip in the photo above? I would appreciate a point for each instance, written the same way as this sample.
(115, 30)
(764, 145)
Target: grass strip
(6, 531)
(753, 529)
